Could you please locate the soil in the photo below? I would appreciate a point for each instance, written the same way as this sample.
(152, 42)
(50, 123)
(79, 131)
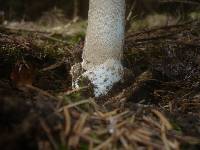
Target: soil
(157, 106)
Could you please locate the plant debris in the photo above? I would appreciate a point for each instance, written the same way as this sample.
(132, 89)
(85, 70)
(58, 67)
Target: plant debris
(156, 107)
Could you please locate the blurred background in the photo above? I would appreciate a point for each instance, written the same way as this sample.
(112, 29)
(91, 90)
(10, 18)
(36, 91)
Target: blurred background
(34, 9)
(54, 13)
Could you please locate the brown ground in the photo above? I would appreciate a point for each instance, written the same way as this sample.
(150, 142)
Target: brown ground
(156, 107)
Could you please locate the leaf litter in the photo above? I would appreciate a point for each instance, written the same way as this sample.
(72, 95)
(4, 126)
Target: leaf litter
(156, 107)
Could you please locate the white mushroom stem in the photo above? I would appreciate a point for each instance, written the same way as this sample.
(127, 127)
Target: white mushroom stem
(103, 76)
(104, 44)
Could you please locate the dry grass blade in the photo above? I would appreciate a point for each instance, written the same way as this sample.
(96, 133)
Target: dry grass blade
(164, 138)
(125, 143)
(174, 145)
(67, 121)
(48, 133)
(123, 123)
(91, 145)
(151, 122)
(106, 114)
(187, 139)
(163, 119)
(80, 123)
(78, 128)
(54, 66)
(137, 137)
(145, 132)
(104, 144)
(91, 139)
(90, 100)
(167, 143)
(39, 91)
(121, 114)
(74, 90)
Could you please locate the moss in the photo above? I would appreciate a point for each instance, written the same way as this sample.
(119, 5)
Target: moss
(84, 146)
(195, 15)
(153, 20)
(62, 147)
(176, 126)
(72, 40)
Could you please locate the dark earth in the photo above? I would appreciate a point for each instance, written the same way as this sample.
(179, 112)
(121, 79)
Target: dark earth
(161, 90)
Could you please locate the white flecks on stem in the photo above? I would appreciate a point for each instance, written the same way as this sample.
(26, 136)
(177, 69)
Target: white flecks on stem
(103, 76)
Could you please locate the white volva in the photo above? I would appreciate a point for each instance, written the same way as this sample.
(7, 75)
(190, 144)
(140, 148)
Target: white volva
(104, 44)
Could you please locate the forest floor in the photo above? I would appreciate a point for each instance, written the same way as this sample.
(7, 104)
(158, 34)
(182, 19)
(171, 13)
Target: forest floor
(156, 107)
